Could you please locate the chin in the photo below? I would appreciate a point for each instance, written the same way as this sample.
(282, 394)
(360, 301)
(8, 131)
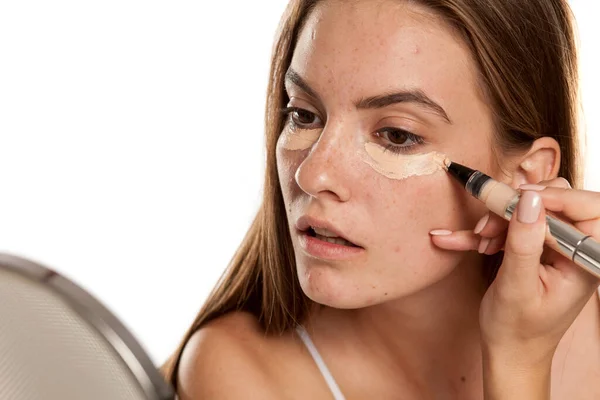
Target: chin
(349, 287)
(331, 287)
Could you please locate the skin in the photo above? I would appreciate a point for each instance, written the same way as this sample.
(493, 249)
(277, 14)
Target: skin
(402, 319)
(332, 182)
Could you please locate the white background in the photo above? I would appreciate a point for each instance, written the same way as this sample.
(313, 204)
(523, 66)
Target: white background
(131, 152)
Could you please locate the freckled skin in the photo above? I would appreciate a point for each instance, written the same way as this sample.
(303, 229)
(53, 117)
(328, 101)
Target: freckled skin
(352, 52)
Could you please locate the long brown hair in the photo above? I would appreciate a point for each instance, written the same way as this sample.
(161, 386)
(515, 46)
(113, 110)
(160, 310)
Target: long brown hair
(527, 63)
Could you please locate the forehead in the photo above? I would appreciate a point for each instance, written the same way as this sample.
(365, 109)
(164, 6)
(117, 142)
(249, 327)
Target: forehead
(363, 48)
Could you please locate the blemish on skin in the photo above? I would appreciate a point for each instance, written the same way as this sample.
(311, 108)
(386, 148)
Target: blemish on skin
(463, 379)
(416, 50)
(385, 294)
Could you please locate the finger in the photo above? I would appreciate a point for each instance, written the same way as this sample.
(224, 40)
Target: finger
(491, 225)
(456, 241)
(563, 276)
(577, 205)
(467, 241)
(557, 183)
(519, 273)
(496, 244)
(590, 227)
(569, 272)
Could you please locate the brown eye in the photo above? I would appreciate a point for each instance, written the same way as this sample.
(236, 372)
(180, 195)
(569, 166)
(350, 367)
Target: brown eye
(399, 140)
(303, 117)
(299, 118)
(397, 136)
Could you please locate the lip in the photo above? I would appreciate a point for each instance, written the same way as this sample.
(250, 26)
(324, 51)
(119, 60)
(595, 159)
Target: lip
(320, 248)
(307, 221)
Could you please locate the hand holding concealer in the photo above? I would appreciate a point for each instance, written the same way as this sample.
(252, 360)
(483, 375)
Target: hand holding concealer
(501, 199)
(529, 306)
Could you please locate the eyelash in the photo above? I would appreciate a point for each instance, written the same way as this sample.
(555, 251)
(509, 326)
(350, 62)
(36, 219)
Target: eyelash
(398, 149)
(288, 111)
(417, 140)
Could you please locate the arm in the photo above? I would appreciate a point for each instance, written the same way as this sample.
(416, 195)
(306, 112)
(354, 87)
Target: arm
(537, 293)
(504, 381)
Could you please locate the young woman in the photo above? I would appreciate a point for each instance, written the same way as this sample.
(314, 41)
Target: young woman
(367, 274)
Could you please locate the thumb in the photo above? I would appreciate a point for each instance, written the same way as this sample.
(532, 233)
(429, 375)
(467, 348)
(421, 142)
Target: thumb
(520, 270)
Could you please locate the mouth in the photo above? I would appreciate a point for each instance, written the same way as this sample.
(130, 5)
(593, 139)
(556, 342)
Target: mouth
(321, 239)
(326, 236)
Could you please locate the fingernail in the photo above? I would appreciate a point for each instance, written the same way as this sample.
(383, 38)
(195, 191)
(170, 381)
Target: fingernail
(566, 182)
(537, 188)
(481, 224)
(529, 207)
(440, 232)
(483, 245)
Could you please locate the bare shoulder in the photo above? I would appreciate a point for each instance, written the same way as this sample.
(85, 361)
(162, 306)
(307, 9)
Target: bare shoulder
(227, 359)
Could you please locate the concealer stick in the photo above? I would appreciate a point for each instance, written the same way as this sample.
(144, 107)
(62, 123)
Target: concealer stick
(502, 200)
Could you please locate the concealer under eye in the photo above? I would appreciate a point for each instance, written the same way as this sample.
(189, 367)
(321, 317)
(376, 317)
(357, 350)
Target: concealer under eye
(302, 128)
(398, 153)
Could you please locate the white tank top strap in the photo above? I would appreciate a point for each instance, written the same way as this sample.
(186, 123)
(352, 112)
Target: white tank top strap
(312, 349)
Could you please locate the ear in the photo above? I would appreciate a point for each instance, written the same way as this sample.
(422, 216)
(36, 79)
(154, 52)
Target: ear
(540, 163)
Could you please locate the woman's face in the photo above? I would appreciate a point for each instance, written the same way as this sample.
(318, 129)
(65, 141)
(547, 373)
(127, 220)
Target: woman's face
(378, 88)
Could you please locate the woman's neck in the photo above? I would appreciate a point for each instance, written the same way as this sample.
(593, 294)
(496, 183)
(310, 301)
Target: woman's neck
(430, 338)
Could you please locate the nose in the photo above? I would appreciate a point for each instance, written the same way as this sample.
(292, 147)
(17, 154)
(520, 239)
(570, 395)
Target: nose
(325, 172)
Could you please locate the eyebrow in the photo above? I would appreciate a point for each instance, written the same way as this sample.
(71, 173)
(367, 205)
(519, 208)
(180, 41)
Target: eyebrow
(296, 79)
(405, 96)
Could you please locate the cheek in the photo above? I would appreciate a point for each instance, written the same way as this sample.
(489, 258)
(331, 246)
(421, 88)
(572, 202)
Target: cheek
(406, 211)
(416, 201)
(443, 204)
(404, 258)
(288, 162)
